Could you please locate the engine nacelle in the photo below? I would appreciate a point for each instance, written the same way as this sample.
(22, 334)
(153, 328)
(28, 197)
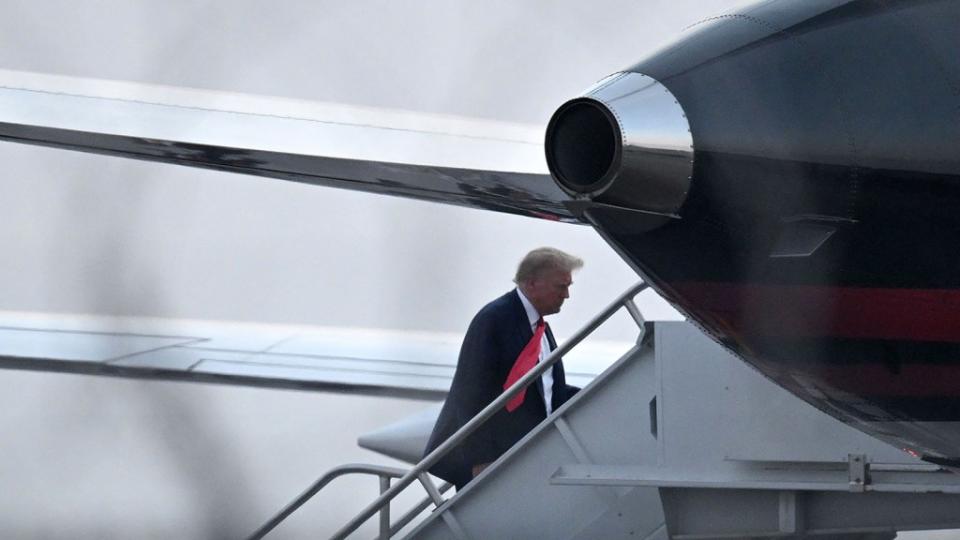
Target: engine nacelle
(626, 142)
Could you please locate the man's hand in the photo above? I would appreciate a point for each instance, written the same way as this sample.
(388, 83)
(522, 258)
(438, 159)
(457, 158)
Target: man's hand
(477, 469)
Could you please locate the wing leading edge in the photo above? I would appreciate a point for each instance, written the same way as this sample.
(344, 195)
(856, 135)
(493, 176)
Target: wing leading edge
(476, 163)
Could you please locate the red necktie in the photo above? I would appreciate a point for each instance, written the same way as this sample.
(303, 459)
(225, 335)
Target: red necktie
(525, 361)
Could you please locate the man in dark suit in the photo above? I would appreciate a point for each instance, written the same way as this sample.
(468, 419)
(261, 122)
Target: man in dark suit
(489, 356)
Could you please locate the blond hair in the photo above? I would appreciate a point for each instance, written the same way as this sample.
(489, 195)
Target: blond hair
(542, 260)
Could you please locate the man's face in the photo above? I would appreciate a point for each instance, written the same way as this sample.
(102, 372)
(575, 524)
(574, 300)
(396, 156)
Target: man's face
(548, 291)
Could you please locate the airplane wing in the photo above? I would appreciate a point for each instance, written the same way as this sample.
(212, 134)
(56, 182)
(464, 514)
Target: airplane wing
(359, 361)
(478, 163)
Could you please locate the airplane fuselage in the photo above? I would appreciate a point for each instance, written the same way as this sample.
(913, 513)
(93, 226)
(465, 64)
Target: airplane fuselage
(817, 234)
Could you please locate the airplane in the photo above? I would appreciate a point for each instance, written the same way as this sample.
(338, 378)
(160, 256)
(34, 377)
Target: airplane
(764, 249)
(155, 241)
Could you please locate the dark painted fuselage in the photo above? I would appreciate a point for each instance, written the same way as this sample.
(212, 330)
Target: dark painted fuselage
(820, 239)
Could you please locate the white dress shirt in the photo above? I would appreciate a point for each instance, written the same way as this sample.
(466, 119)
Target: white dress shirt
(533, 316)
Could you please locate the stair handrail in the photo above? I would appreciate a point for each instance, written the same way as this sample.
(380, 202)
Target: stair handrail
(420, 470)
(624, 300)
(384, 473)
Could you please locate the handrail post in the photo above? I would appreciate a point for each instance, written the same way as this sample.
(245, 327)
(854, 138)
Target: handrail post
(634, 312)
(431, 489)
(439, 452)
(385, 511)
(379, 470)
(415, 511)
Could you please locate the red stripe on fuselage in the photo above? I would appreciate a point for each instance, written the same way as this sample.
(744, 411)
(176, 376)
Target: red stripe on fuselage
(830, 312)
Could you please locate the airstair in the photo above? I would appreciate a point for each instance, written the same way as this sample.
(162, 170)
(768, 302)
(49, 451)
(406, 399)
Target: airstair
(611, 422)
(677, 440)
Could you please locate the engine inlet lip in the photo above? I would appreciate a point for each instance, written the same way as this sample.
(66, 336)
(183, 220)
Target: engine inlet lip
(587, 171)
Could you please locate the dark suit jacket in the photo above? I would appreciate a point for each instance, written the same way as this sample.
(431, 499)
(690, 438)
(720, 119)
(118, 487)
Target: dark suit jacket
(493, 341)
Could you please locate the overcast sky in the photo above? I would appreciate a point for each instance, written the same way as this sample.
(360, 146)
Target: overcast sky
(102, 235)
(107, 458)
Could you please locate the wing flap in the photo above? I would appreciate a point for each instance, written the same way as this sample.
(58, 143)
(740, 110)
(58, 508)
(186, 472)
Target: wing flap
(416, 365)
(373, 362)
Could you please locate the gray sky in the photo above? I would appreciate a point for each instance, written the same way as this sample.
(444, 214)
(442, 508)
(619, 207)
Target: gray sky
(102, 235)
(107, 458)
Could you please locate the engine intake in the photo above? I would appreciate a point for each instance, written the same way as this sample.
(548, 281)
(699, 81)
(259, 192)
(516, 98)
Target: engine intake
(626, 142)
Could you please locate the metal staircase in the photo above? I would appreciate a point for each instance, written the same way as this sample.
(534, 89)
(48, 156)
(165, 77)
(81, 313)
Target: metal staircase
(419, 471)
(681, 440)
(612, 421)
(677, 440)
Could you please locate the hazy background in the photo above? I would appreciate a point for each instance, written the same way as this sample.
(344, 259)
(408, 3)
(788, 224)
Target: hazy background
(84, 457)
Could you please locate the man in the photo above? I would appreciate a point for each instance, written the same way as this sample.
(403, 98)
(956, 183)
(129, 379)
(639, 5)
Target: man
(490, 358)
